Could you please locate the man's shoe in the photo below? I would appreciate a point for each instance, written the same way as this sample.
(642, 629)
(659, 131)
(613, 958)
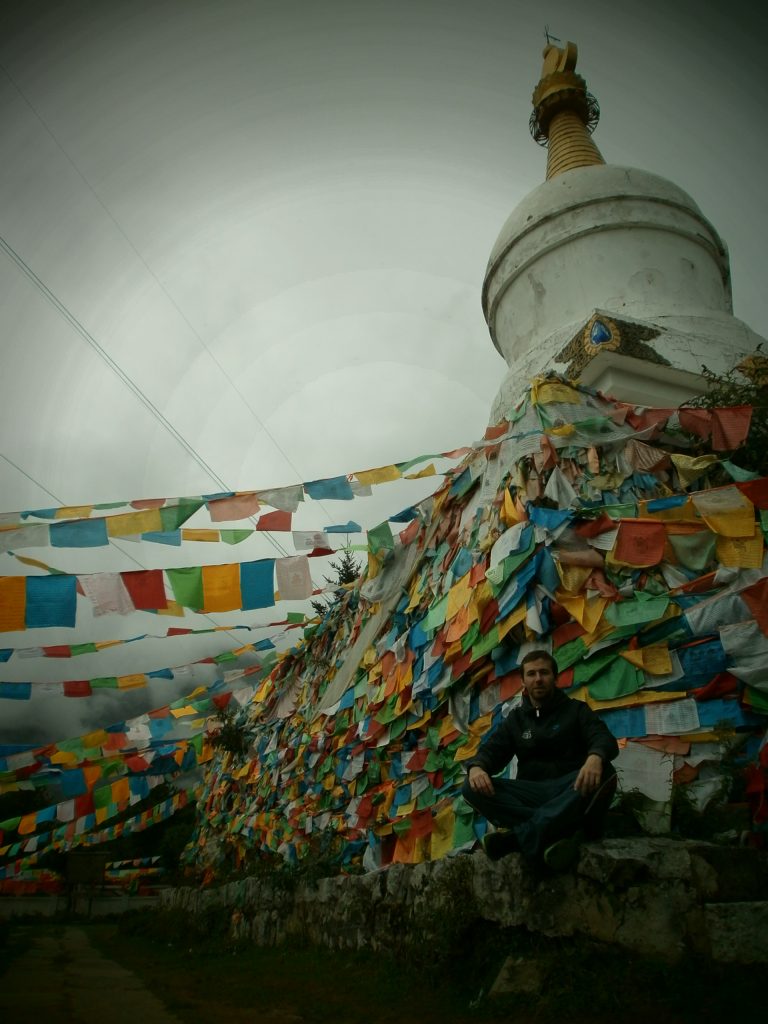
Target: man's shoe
(498, 844)
(564, 853)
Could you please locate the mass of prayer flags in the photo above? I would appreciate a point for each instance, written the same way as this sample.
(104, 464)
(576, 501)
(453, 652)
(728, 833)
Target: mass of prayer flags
(573, 540)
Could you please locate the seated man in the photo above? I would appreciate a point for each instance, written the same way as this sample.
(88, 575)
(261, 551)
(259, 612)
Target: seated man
(565, 780)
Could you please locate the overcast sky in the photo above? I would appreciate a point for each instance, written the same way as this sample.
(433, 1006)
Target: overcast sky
(244, 242)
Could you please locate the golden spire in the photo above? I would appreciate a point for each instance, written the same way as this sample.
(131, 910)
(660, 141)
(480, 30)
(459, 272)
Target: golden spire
(564, 113)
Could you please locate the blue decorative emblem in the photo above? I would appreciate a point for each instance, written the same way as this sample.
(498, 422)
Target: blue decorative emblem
(600, 334)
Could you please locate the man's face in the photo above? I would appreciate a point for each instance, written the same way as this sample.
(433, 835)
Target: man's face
(538, 680)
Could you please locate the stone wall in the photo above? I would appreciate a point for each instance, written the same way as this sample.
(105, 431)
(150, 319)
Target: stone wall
(649, 895)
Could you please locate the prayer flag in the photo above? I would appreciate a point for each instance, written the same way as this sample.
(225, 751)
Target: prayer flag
(51, 601)
(187, 586)
(256, 584)
(237, 506)
(13, 591)
(335, 488)
(146, 588)
(221, 588)
(294, 582)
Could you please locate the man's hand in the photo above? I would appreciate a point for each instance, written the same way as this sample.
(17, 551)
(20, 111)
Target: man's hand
(480, 781)
(590, 775)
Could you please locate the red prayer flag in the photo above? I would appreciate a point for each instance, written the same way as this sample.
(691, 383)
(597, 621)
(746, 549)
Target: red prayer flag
(696, 421)
(58, 651)
(640, 542)
(77, 688)
(276, 521)
(756, 599)
(146, 587)
(730, 427)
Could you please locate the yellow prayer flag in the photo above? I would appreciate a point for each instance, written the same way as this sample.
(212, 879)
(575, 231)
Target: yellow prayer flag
(573, 577)
(173, 608)
(509, 514)
(741, 552)
(378, 476)
(543, 392)
(121, 790)
(210, 536)
(221, 588)
(131, 682)
(74, 512)
(130, 523)
(518, 615)
(477, 730)
(441, 840)
(654, 660)
(632, 699)
(427, 471)
(102, 645)
(27, 824)
(458, 596)
(587, 612)
(13, 603)
(95, 738)
(689, 467)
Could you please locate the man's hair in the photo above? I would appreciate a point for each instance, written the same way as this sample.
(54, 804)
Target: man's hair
(539, 656)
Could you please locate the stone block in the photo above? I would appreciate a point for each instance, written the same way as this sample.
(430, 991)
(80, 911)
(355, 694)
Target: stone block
(738, 932)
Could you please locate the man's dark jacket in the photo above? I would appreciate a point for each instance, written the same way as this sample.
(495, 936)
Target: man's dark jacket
(549, 741)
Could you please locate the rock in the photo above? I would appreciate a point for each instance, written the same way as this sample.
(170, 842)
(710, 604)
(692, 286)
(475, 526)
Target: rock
(738, 932)
(518, 975)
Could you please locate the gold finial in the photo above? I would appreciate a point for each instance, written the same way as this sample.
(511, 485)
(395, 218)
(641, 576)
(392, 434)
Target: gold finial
(564, 113)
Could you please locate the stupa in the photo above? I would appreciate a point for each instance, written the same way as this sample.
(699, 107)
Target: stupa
(609, 274)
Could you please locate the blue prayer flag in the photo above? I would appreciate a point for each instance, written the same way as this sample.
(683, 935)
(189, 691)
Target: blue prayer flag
(81, 533)
(51, 601)
(16, 691)
(336, 487)
(257, 584)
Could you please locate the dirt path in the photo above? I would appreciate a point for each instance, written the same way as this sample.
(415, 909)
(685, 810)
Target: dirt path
(62, 979)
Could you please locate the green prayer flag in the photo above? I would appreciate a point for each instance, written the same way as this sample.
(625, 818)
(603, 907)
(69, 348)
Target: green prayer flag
(402, 826)
(568, 654)
(619, 679)
(187, 586)
(436, 615)
(486, 643)
(463, 830)
(636, 611)
(694, 551)
(736, 472)
(626, 511)
(397, 728)
(76, 649)
(174, 516)
(295, 617)
(380, 538)
(235, 536)
(104, 683)
(470, 636)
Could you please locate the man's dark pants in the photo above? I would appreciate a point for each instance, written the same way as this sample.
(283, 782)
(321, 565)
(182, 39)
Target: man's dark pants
(541, 812)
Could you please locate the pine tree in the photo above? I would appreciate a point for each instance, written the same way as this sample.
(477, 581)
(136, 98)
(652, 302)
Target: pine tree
(347, 569)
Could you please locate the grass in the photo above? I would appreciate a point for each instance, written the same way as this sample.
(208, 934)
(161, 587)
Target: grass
(200, 975)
